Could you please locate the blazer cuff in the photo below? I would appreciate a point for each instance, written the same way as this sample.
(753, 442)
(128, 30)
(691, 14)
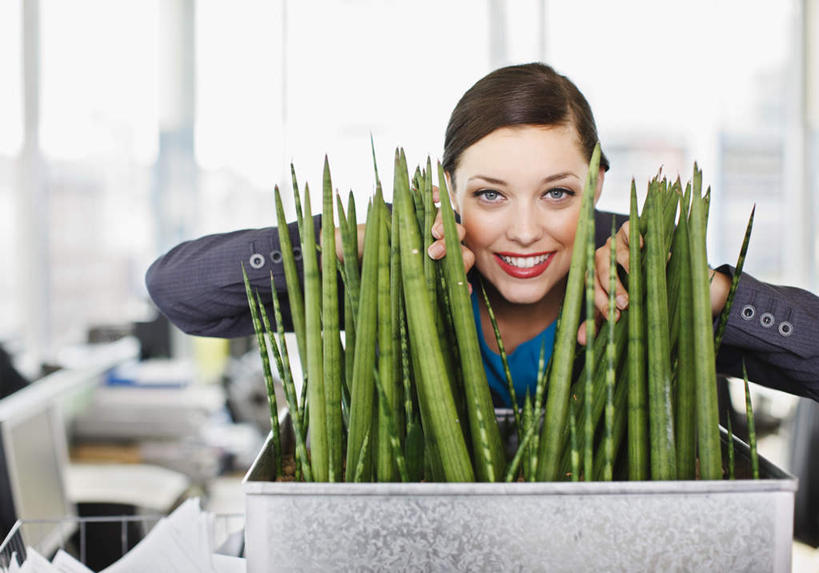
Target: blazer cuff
(766, 317)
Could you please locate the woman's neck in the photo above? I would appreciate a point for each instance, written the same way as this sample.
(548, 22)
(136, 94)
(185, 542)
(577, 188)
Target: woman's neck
(518, 323)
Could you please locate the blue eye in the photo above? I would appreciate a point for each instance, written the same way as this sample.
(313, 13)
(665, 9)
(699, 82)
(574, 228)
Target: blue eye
(488, 195)
(559, 193)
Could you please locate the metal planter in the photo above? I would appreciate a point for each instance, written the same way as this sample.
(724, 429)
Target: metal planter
(742, 525)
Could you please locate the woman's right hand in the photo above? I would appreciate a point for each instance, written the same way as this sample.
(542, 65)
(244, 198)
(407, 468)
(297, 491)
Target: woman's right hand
(437, 250)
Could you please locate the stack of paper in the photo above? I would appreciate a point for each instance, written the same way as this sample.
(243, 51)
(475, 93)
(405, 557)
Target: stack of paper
(180, 543)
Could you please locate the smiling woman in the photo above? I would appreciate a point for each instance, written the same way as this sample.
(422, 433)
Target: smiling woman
(519, 199)
(516, 154)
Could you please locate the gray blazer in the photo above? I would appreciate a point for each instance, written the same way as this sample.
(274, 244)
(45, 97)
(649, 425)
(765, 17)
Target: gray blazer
(198, 286)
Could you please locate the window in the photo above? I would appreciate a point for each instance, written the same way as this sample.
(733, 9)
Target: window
(11, 140)
(273, 83)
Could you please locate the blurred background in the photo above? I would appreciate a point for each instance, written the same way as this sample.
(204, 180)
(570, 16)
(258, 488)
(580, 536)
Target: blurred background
(130, 125)
(127, 126)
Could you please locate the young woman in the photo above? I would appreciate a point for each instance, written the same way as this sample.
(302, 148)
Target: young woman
(516, 154)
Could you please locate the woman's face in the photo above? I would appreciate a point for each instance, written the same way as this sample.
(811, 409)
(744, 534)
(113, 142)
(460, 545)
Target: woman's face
(518, 193)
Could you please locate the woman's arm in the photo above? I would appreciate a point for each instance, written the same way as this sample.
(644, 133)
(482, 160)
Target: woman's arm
(775, 329)
(198, 284)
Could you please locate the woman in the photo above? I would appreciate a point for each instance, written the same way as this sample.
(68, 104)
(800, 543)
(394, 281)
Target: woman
(516, 153)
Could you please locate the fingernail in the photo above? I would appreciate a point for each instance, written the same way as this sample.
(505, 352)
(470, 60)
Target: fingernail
(435, 250)
(622, 301)
(436, 231)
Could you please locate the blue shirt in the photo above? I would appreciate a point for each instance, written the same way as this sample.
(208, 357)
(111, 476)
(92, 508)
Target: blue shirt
(523, 362)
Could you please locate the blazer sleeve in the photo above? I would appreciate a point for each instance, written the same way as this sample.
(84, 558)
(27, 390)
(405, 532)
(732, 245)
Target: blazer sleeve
(775, 330)
(198, 284)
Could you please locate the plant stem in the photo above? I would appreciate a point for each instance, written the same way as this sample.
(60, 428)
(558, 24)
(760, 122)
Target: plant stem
(566, 338)
(608, 437)
(729, 302)
(731, 464)
(706, 379)
(749, 417)
(438, 405)
(331, 347)
(638, 441)
(319, 452)
(588, 379)
(268, 376)
(286, 374)
(661, 428)
(361, 408)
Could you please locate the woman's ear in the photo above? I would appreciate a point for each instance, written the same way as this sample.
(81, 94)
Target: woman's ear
(600, 177)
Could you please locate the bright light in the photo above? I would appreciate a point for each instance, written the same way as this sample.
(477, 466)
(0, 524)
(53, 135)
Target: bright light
(238, 88)
(99, 79)
(11, 96)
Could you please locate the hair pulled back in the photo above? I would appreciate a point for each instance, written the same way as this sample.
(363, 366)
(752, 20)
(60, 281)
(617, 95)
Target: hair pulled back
(524, 94)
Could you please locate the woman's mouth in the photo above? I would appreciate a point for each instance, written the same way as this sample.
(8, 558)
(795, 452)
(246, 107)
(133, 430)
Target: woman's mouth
(524, 266)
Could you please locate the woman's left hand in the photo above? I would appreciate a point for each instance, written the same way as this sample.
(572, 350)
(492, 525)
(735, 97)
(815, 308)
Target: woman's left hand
(602, 259)
(720, 283)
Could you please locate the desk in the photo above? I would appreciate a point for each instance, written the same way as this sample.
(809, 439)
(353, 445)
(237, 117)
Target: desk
(134, 413)
(146, 487)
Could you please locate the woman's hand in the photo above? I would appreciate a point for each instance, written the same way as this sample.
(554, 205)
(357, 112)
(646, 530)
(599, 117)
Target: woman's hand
(602, 259)
(339, 247)
(437, 250)
(720, 283)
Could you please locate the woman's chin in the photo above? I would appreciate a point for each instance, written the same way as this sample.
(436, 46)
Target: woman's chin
(522, 291)
(522, 295)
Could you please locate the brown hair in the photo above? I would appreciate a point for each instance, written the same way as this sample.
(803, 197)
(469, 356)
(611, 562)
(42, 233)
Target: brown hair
(525, 94)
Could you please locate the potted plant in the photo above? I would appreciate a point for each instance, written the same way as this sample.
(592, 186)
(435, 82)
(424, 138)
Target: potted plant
(402, 427)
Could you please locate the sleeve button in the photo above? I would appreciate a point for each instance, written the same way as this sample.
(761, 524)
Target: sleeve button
(748, 312)
(257, 260)
(766, 320)
(276, 257)
(297, 253)
(785, 328)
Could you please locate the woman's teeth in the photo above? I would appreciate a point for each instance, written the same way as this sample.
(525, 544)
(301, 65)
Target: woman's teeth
(524, 262)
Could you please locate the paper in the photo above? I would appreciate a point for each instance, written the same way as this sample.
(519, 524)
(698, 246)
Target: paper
(35, 563)
(180, 543)
(65, 563)
(183, 542)
(228, 564)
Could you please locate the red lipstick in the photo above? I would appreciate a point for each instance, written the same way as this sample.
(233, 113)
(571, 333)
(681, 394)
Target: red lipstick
(523, 273)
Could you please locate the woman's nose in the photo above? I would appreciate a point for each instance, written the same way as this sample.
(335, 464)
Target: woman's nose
(524, 226)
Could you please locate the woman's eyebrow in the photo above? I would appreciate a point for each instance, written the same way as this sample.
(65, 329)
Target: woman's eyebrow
(561, 175)
(549, 179)
(488, 179)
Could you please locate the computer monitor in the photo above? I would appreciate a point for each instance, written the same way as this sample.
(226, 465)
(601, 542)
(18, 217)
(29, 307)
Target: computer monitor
(33, 457)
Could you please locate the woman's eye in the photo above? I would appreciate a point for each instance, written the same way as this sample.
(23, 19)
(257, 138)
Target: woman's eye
(488, 195)
(559, 193)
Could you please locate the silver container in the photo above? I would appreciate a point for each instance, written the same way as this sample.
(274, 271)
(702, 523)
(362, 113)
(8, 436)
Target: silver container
(742, 525)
